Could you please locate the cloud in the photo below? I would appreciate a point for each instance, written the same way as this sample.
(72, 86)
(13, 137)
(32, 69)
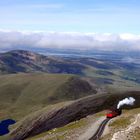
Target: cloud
(73, 40)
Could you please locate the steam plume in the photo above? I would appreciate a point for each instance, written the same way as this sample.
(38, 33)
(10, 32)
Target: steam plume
(126, 101)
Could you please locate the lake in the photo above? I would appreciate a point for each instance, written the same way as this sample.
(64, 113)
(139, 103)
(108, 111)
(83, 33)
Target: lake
(4, 126)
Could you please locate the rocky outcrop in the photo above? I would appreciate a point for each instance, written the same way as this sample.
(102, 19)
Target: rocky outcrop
(45, 121)
(56, 118)
(126, 133)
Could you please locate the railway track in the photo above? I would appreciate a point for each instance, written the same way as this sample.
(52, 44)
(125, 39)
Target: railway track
(100, 130)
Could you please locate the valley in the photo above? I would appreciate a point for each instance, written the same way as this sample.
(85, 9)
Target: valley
(43, 93)
(69, 70)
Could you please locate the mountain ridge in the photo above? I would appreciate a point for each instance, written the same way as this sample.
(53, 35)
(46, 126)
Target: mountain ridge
(25, 61)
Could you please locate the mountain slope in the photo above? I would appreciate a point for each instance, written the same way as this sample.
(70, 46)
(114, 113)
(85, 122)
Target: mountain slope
(25, 61)
(48, 119)
(21, 94)
(111, 74)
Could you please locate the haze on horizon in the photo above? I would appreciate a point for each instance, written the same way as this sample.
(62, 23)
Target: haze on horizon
(80, 24)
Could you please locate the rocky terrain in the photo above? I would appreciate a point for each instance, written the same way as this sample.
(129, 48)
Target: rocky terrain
(45, 121)
(126, 133)
(48, 94)
(125, 127)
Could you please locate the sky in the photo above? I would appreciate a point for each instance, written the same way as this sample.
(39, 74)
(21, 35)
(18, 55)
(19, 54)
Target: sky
(82, 24)
(100, 16)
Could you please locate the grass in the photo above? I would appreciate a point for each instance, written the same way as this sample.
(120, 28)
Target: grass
(21, 94)
(122, 122)
(62, 132)
(118, 81)
(109, 100)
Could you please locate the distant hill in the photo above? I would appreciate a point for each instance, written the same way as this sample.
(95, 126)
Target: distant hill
(25, 61)
(34, 86)
(21, 94)
(112, 73)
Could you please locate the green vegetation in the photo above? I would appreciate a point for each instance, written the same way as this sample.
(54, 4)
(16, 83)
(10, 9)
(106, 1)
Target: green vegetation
(112, 79)
(105, 73)
(21, 94)
(122, 122)
(62, 132)
(27, 96)
(72, 112)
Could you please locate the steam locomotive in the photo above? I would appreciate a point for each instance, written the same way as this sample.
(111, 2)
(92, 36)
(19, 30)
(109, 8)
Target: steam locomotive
(114, 113)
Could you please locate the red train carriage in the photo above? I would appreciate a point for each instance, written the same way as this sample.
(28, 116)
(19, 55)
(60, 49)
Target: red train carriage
(114, 113)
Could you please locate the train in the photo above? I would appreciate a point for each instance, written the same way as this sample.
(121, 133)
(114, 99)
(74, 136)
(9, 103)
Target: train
(114, 113)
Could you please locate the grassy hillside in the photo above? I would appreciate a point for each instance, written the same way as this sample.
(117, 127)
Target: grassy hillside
(21, 94)
(58, 116)
(78, 128)
(112, 73)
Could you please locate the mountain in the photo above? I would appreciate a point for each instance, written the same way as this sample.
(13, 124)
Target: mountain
(21, 94)
(45, 92)
(25, 61)
(107, 72)
(45, 119)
